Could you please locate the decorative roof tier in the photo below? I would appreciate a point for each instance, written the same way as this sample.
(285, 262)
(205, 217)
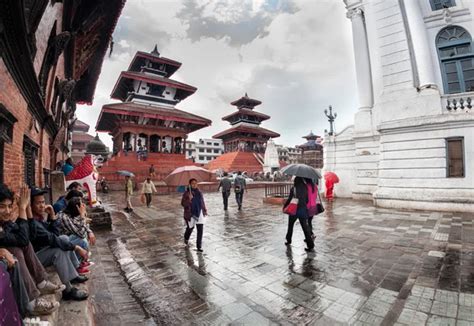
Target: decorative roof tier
(153, 63)
(130, 83)
(246, 115)
(246, 101)
(113, 115)
(311, 136)
(246, 131)
(97, 147)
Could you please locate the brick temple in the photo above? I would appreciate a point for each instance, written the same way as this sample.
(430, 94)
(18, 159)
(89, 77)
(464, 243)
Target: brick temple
(146, 127)
(245, 141)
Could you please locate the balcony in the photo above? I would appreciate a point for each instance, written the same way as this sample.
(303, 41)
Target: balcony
(458, 103)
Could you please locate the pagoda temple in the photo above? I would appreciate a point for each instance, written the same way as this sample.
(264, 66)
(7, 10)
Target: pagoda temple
(146, 127)
(245, 141)
(312, 151)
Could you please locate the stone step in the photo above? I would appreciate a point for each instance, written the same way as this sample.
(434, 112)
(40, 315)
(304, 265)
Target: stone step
(70, 313)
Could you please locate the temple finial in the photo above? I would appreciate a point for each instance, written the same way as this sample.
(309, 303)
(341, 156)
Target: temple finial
(246, 94)
(155, 50)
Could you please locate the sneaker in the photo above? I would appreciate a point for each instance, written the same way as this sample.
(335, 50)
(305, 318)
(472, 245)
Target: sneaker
(51, 288)
(81, 270)
(199, 250)
(42, 306)
(75, 294)
(79, 279)
(86, 264)
(309, 249)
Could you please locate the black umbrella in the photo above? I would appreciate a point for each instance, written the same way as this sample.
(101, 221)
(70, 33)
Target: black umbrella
(301, 170)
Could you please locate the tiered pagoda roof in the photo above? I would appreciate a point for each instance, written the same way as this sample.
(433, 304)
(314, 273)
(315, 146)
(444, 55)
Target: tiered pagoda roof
(245, 121)
(312, 143)
(148, 96)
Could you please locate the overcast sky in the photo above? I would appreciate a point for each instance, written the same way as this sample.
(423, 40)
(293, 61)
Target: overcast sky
(295, 56)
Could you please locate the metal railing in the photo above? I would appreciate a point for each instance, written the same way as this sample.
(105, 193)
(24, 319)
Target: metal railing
(279, 190)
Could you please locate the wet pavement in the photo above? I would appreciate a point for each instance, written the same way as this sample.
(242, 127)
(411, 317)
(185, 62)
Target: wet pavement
(371, 266)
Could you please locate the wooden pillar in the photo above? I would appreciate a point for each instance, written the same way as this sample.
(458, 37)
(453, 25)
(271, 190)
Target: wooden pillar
(136, 142)
(184, 146)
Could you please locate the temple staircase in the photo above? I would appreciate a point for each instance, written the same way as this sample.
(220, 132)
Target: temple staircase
(163, 163)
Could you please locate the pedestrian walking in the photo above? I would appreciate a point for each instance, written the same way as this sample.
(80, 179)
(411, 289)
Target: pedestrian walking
(299, 191)
(194, 212)
(240, 186)
(148, 189)
(226, 185)
(128, 194)
(151, 171)
(313, 197)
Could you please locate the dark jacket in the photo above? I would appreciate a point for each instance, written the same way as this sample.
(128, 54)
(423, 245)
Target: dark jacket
(186, 202)
(46, 234)
(14, 234)
(301, 194)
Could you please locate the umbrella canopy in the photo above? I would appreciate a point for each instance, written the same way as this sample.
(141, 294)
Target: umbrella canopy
(301, 170)
(126, 173)
(181, 176)
(331, 177)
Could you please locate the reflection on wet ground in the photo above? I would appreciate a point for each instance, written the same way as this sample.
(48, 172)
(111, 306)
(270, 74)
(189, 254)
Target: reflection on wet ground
(371, 266)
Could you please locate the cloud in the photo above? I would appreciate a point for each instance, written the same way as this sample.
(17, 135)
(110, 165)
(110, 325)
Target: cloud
(238, 22)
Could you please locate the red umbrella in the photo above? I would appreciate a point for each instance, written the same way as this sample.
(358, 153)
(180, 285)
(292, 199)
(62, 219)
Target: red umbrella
(331, 177)
(181, 176)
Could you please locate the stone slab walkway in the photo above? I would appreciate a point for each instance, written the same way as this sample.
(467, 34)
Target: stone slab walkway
(372, 266)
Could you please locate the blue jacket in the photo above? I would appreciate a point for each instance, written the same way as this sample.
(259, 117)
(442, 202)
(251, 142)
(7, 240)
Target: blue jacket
(60, 204)
(46, 234)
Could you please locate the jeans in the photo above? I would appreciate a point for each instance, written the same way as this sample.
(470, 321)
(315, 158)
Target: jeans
(200, 229)
(239, 197)
(78, 241)
(225, 198)
(148, 199)
(302, 216)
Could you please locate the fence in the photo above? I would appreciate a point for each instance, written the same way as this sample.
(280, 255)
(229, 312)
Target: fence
(279, 190)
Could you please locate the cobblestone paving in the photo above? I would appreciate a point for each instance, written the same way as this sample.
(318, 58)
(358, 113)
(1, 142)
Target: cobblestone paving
(371, 266)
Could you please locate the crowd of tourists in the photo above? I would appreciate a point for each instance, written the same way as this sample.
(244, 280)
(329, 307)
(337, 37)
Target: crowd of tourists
(35, 236)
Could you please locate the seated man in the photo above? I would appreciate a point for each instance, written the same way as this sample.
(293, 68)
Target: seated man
(14, 236)
(53, 249)
(61, 203)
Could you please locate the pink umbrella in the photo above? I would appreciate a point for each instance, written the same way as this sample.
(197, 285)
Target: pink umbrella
(181, 176)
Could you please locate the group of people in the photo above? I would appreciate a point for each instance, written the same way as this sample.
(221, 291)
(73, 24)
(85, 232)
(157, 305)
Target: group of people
(33, 236)
(304, 190)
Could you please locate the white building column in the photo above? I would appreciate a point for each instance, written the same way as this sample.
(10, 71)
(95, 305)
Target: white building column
(419, 41)
(362, 59)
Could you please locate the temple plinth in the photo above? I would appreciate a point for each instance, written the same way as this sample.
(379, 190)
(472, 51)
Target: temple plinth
(146, 127)
(245, 136)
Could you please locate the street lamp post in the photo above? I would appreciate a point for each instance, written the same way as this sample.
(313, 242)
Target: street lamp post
(331, 117)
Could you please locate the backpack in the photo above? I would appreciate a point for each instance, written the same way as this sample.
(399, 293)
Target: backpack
(312, 200)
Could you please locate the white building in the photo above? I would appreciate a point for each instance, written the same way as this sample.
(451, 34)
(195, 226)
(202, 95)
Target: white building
(289, 155)
(411, 145)
(205, 150)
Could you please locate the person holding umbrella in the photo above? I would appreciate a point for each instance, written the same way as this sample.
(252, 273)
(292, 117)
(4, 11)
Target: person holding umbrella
(299, 191)
(331, 179)
(194, 212)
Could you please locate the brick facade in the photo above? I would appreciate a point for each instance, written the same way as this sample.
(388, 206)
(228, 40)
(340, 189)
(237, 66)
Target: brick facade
(39, 136)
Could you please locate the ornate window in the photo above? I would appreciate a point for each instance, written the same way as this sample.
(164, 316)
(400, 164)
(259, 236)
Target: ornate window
(7, 120)
(456, 57)
(441, 4)
(30, 151)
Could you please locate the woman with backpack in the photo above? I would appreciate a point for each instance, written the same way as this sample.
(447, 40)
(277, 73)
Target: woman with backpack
(299, 191)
